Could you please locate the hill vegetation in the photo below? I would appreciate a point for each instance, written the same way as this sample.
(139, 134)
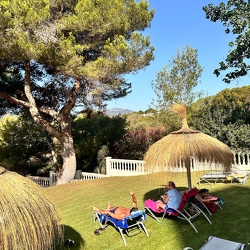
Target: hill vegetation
(27, 149)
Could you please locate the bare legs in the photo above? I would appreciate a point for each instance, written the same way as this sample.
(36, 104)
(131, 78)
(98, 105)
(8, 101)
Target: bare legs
(104, 211)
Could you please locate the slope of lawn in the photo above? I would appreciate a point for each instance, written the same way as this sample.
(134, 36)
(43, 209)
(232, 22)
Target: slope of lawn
(75, 201)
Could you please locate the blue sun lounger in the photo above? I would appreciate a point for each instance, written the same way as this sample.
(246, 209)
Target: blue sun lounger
(131, 225)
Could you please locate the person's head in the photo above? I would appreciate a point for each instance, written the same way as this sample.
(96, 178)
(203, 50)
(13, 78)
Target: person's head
(133, 209)
(203, 191)
(170, 185)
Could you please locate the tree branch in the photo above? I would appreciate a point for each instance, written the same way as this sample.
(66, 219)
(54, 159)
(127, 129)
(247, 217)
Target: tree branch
(72, 99)
(14, 100)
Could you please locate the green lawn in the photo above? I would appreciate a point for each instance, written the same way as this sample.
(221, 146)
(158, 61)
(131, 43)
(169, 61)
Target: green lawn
(75, 200)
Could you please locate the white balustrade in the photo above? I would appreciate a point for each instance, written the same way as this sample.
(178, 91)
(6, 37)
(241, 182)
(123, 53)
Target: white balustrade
(91, 176)
(42, 181)
(123, 167)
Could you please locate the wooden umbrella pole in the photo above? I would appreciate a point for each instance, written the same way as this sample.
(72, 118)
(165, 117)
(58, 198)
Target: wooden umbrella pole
(189, 176)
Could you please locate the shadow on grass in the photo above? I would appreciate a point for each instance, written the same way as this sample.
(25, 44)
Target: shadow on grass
(71, 235)
(235, 196)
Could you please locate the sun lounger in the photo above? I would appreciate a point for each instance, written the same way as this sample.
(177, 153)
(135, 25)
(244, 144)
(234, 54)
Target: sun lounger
(214, 177)
(239, 177)
(202, 205)
(186, 211)
(131, 225)
(215, 243)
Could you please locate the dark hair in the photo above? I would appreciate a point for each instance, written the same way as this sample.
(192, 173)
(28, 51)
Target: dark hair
(133, 209)
(171, 183)
(203, 190)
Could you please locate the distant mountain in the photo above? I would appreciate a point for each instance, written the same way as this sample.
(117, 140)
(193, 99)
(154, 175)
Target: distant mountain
(118, 111)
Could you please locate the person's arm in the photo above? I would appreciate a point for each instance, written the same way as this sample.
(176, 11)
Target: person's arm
(199, 196)
(209, 196)
(165, 198)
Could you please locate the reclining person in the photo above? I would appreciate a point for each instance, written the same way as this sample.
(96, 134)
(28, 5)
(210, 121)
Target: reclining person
(171, 198)
(208, 200)
(120, 212)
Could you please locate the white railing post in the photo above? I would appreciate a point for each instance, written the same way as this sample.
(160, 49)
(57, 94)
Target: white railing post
(51, 173)
(108, 165)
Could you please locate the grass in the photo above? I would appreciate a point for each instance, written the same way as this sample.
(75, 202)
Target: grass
(75, 201)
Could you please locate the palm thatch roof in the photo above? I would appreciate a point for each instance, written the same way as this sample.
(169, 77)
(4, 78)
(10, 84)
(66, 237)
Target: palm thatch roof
(180, 146)
(28, 219)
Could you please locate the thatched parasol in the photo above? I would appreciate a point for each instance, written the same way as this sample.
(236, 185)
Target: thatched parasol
(28, 219)
(180, 146)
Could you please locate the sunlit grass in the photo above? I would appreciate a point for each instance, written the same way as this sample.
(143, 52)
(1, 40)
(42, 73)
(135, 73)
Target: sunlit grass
(75, 201)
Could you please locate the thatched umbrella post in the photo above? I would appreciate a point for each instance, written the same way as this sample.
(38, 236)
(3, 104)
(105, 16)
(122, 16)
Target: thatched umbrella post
(28, 219)
(180, 146)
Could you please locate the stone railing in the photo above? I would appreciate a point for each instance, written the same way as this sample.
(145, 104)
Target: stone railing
(122, 167)
(44, 181)
(51, 180)
(242, 160)
(88, 176)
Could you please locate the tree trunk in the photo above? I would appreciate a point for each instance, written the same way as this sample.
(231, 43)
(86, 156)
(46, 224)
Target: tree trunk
(69, 161)
(63, 134)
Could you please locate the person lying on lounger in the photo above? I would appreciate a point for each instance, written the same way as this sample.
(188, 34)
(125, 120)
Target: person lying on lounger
(204, 196)
(208, 200)
(119, 212)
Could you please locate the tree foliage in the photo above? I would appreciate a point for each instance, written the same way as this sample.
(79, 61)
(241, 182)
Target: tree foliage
(136, 142)
(92, 135)
(176, 81)
(234, 15)
(226, 117)
(56, 55)
(23, 145)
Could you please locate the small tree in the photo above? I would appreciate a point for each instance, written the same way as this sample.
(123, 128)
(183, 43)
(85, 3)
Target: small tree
(176, 81)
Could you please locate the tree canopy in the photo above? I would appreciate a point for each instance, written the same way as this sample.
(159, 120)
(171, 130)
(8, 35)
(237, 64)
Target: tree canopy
(176, 81)
(234, 15)
(225, 116)
(57, 54)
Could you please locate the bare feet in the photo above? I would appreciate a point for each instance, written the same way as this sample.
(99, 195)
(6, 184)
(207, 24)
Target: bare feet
(96, 209)
(108, 208)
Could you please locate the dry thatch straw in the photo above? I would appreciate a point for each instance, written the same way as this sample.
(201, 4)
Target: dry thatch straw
(178, 147)
(28, 219)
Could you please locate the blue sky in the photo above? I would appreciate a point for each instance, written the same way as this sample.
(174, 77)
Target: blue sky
(176, 24)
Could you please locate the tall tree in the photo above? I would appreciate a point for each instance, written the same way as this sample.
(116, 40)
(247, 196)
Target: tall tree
(176, 81)
(57, 54)
(234, 15)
